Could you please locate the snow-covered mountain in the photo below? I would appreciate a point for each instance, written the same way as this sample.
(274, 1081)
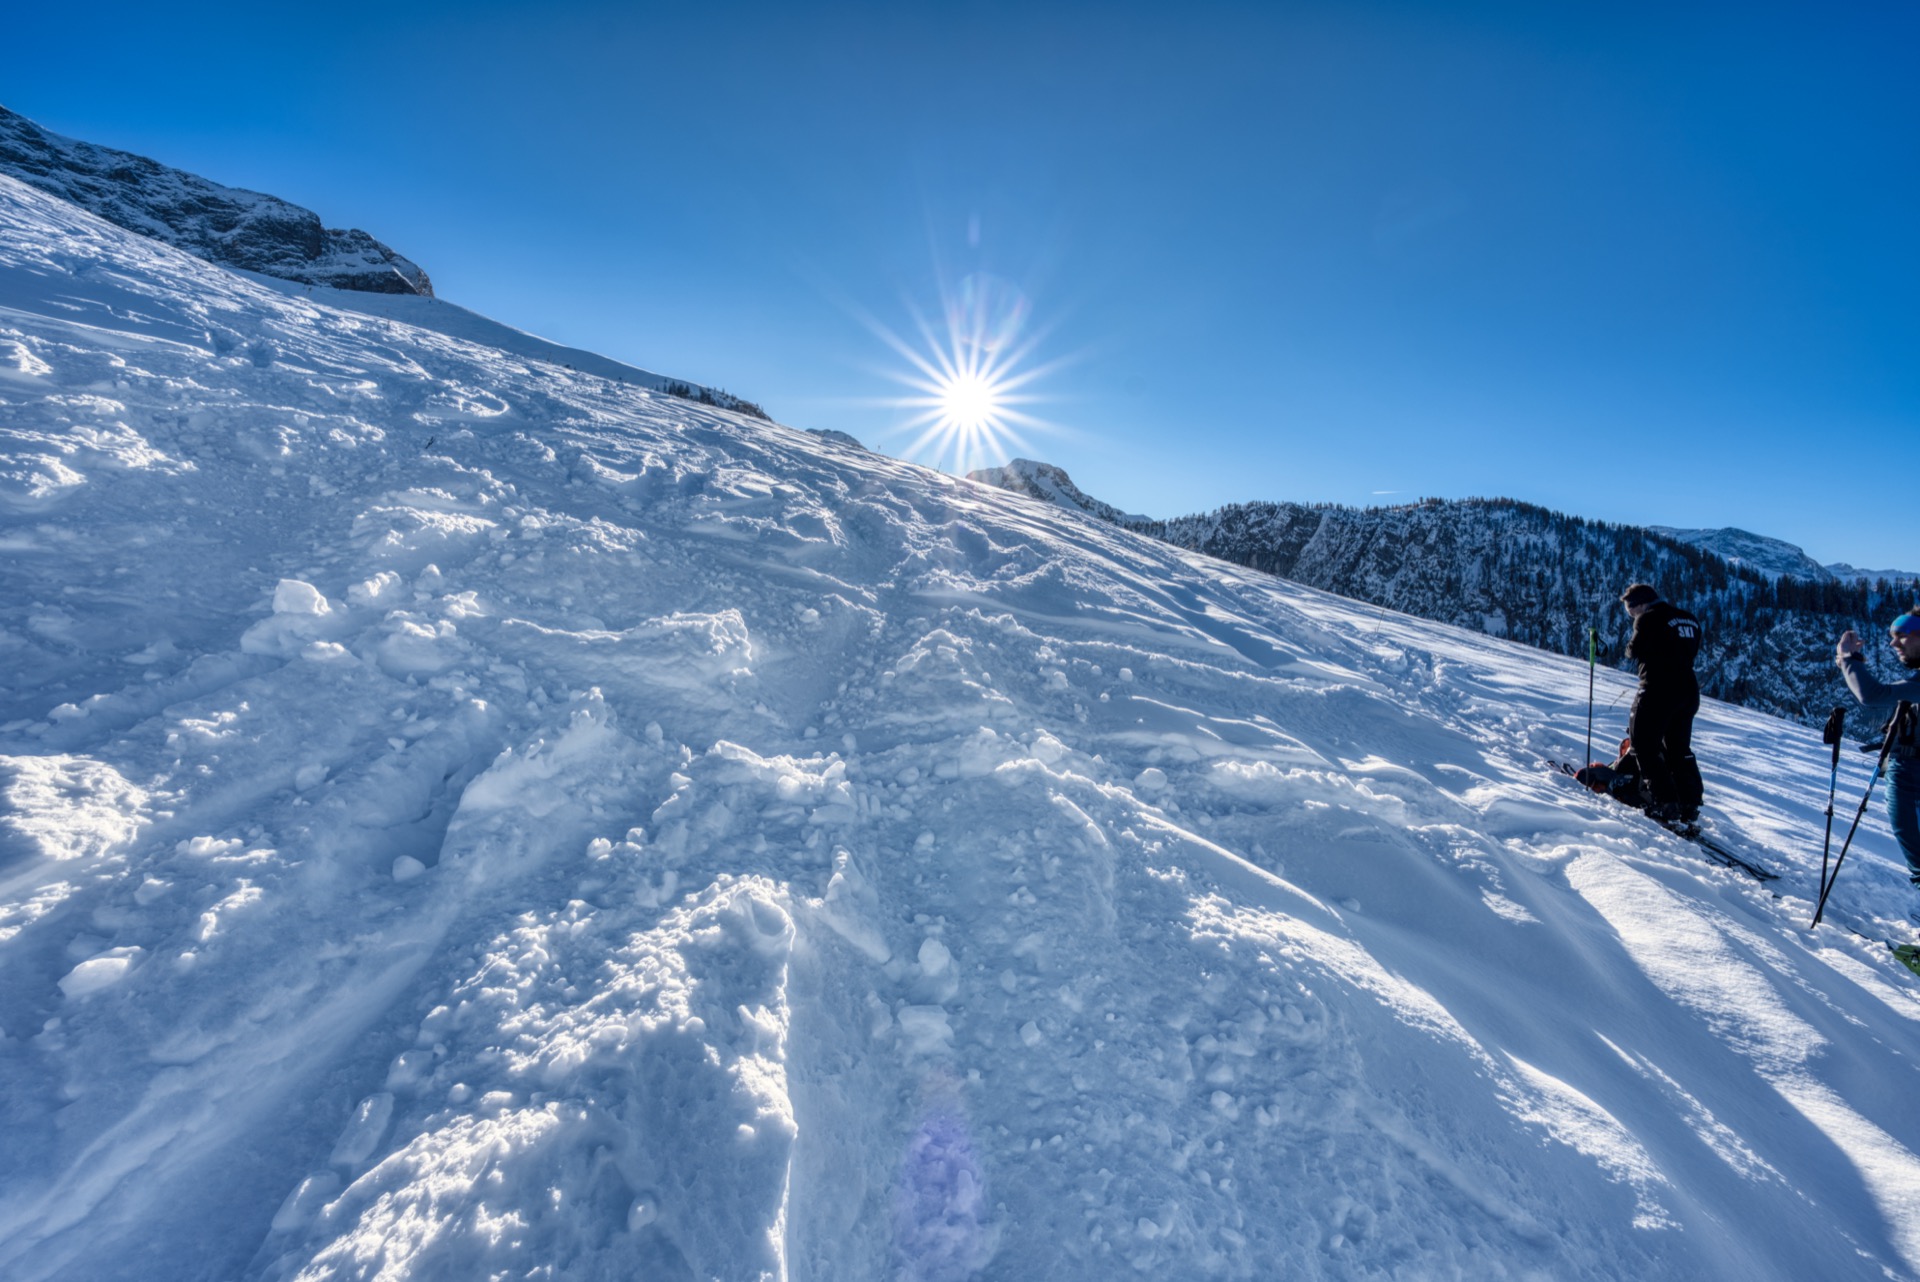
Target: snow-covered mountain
(463, 816)
(1774, 558)
(223, 225)
(1841, 570)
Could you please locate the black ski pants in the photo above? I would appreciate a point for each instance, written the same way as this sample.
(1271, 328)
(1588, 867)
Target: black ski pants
(1661, 727)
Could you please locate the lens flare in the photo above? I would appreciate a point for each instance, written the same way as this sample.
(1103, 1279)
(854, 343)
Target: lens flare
(941, 1218)
(970, 382)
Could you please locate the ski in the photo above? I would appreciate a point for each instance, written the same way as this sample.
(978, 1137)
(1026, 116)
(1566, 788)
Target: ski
(1719, 852)
(1715, 849)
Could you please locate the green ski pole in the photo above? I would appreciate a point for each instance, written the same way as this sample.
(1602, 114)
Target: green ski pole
(1592, 643)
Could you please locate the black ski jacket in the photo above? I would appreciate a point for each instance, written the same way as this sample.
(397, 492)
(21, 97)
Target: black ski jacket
(1664, 643)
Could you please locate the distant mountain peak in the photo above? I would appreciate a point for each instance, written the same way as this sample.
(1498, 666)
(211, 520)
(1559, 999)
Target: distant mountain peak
(1050, 484)
(225, 225)
(1841, 570)
(1774, 558)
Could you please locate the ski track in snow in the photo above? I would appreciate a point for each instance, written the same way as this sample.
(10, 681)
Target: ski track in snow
(462, 816)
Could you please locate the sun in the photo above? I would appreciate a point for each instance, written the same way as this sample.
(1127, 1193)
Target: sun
(969, 401)
(969, 378)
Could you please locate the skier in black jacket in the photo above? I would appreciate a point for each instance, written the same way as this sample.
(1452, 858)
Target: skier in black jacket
(1664, 643)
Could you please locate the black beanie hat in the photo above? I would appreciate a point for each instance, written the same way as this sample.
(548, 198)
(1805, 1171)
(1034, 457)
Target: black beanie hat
(1639, 594)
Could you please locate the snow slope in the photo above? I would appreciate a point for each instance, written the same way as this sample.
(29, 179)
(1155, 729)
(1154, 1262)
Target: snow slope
(625, 839)
(454, 321)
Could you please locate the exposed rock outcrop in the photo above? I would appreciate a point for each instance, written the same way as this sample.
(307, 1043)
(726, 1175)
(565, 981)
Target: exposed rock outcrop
(223, 225)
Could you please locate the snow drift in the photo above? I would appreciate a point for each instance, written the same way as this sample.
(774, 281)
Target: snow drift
(470, 817)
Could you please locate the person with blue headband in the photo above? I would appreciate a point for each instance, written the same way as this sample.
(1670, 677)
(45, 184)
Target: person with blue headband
(1903, 755)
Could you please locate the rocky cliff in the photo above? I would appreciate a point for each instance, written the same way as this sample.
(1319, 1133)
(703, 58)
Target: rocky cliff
(225, 225)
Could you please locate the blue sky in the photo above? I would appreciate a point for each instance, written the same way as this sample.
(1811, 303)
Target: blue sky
(1641, 263)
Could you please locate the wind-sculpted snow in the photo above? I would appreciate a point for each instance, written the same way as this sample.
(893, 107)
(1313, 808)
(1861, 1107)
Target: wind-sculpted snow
(468, 817)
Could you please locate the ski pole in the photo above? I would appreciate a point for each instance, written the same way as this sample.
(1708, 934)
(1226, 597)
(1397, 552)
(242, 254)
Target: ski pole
(1900, 715)
(1836, 726)
(1592, 636)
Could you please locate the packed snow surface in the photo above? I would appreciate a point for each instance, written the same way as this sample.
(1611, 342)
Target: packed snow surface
(470, 818)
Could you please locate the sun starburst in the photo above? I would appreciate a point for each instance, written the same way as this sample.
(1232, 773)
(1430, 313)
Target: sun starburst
(969, 377)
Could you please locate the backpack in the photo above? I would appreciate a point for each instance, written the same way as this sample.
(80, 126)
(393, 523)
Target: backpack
(1621, 781)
